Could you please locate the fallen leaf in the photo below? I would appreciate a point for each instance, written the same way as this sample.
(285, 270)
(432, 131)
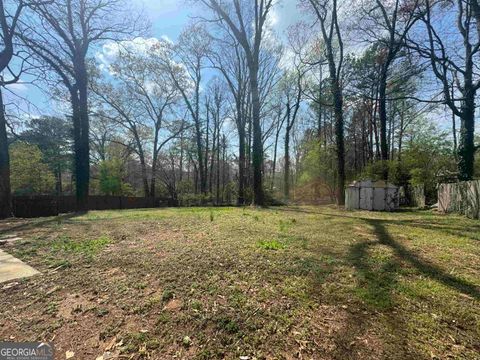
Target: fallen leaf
(106, 356)
(8, 286)
(51, 291)
(173, 305)
(111, 344)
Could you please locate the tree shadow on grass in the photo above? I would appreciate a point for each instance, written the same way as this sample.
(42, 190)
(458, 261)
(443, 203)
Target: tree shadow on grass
(439, 224)
(365, 326)
(378, 275)
(28, 224)
(377, 282)
(377, 279)
(358, 252)
(430, 270)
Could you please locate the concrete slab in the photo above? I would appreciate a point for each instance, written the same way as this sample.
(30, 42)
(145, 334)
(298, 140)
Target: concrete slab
(12, 268)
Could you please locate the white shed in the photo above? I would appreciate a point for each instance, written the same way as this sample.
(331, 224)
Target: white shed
(369, 195)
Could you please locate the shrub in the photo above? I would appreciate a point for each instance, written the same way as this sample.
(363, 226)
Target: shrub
(28, 173)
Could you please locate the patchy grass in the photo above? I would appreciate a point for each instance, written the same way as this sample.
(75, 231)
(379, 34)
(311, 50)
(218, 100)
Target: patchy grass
(270, 245)
(84, 247)
(279, 283)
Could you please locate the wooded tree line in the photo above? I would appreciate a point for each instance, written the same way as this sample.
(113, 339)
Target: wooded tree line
(233, 110)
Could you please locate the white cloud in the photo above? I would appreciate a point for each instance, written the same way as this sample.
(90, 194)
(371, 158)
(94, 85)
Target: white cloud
(140, 46)
(18, 88)
(284, 14)
(167, 39)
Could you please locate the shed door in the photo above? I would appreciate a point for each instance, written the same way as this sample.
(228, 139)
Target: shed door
(366, 198)
(379, 199)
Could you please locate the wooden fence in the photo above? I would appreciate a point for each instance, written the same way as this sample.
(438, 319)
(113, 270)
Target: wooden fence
(44, 205)
(462, 197)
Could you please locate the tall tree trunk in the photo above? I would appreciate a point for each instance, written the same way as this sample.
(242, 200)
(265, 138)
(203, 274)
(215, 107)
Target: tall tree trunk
(156, 150)
(248, 153)
(146, 187)
(218, 166)
(241, 167)
(195, 179)
(212, 155)
(275, 146)
(382, 113)
(370, 133)
(391, 137)
(180, 165)
(202, 162)
(320, 107)
(5, 190)
(200, 167)
(207, 147)
(286, 175)
(325, 133)
(81, 123)
(143, 164)
(224, 166)
(454, 133)
(240, 121)
(153, 181)
(364, 139)
(58, 180)
(454, 128)
(466, 146)
(355, 151)
(339, 137)
(375, 127)
(257, 148)
(400, 135)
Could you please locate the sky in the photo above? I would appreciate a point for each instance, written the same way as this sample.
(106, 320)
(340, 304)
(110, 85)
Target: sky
(167, 19)
(170, 16)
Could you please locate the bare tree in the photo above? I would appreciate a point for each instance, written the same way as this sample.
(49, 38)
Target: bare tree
(292, 93)
(191, 51)
(280, 120)
(60, 34)
(155, 96)
(388, 24)
(216, 108)
(326, 12)
(228, 58)
(453, 58)
(123, 112)
(9, 19)
(247, 24)
(142, 101)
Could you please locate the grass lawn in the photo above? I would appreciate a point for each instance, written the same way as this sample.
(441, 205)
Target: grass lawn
(278, 283)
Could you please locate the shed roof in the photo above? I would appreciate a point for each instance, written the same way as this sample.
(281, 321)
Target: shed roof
(372, 184)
